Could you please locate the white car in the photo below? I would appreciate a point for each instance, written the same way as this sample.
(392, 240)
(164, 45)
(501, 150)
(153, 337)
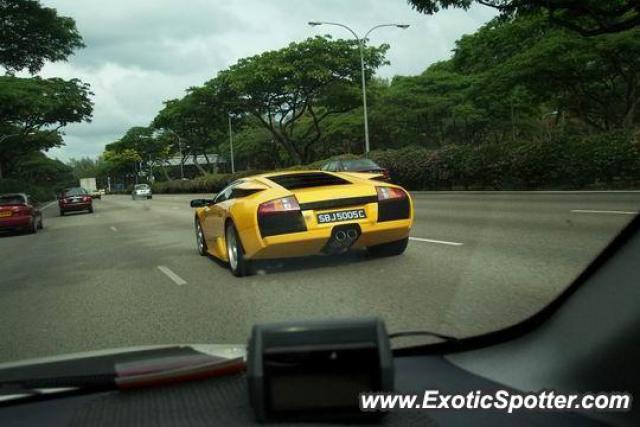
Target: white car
(141, 190)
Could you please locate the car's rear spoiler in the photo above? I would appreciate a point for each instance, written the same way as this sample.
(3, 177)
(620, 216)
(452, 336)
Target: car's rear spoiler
(364, 175)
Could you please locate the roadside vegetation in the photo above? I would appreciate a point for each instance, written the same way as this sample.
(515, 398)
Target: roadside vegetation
(541, 97)
(34, 110)
(523, 103)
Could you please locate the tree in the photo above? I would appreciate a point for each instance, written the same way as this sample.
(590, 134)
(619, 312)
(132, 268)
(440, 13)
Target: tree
(198, 122)
(33, 111)
(587, 17)
(33, 34)
(291, 91)
(595, 79)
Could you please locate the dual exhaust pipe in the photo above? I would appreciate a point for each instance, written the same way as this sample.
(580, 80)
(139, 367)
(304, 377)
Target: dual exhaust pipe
(350, 234)
(341, 240)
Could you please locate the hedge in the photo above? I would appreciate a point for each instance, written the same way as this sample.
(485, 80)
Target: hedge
(210, 183)
(607, 160)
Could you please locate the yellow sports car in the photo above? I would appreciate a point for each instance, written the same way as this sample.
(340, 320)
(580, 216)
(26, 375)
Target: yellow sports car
(292, 214)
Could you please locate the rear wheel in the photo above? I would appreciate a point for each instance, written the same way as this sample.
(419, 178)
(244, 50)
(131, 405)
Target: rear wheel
(239, 265)
(40, 224)
(61, 212)
(389, 249)
(33, 228)
(201, 243)
(90, 209)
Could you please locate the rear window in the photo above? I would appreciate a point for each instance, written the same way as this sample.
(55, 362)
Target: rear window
(307, 180)
(77, 191)
(13, 199)
(359, 164)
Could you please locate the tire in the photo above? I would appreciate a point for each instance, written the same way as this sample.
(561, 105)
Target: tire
(239, 266)
(91, 209)
(150, 197)
(41, 224)
(61, 212)
(389, 249)
(201, 243)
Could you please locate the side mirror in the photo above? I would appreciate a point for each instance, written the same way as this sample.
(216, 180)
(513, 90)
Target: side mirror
(200, 203)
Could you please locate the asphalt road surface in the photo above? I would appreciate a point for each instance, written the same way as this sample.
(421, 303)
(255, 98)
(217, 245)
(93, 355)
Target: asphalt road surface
(129, 274)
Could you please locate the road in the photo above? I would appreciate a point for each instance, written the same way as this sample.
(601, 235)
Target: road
(129, 273)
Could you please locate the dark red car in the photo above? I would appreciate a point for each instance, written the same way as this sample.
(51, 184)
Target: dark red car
(19, 212)
(75, 199)
(357, 165)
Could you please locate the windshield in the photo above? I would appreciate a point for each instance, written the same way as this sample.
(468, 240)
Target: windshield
(505, 146)
(359, 164)
(77, 191)
(12, 199)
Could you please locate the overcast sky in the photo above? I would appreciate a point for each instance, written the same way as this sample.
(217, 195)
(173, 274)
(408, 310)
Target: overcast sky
(142, 52)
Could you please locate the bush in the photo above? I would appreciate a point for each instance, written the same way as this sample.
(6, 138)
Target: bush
(603, 160)
(210, 183)
(37, 192)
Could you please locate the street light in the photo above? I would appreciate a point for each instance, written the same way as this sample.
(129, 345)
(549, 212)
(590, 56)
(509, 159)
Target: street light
(361, 41)
(180, 151)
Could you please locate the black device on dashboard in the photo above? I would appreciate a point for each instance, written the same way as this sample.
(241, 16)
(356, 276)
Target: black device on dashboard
(316, 370)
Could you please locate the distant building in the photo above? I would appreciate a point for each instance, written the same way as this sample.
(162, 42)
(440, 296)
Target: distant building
(202, 160)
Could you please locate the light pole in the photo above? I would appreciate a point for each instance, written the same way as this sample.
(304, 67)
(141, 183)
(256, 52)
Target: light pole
(179, 151)
(361, 41)
(233, 166)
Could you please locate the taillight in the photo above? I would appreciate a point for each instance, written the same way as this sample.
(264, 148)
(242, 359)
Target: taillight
(390, 193)
(286, 204)
(23, 210)
(86, 199)
(280, 216)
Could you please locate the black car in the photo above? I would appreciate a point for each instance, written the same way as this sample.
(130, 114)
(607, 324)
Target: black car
(356, 165)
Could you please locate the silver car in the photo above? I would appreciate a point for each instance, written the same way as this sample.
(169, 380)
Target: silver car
(141, 190)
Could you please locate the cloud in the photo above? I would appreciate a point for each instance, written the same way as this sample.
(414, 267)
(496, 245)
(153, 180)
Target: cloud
(142, 52)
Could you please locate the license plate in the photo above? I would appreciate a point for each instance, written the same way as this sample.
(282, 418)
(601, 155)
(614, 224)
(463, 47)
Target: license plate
(5, 213)
(340, 216)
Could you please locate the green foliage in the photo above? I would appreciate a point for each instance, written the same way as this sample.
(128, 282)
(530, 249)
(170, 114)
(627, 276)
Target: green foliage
(33, 34)
(32, 112)
(292, 91)
(587, 17)
(209, 183)
(564, 162)
(39, 176)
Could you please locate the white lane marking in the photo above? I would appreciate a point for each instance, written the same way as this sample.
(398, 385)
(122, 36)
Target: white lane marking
(442, 242)
(48, 204)
(171, 275)
(113, 228)
(604, 212)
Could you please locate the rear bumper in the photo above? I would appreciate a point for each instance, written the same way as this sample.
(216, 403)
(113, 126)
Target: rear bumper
(312, 241)
(380, 225)
(15, 222)
(69, 207)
